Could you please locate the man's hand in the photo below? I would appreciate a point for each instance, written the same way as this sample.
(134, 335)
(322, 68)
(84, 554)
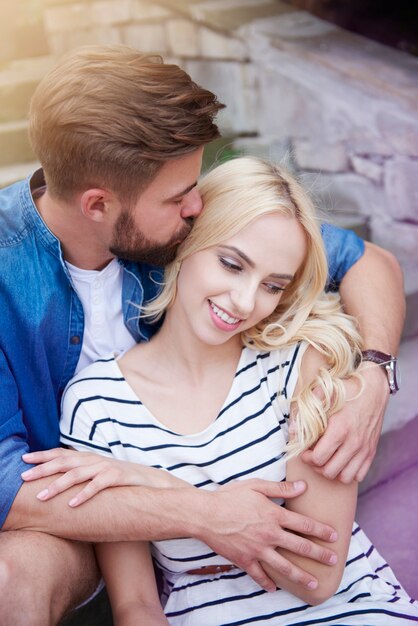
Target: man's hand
(245, 527)
(348, 446)
(98, 471)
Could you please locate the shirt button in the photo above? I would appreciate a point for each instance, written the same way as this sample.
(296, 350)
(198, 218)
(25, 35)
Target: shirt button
(75, 340)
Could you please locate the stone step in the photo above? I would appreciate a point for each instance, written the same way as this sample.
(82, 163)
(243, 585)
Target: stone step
(402, 407)
(17, 84)
(12, 173)
(14, 143)
(411, 320)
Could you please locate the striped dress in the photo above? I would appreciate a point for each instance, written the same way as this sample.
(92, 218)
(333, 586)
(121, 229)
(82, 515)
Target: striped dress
(102, 413)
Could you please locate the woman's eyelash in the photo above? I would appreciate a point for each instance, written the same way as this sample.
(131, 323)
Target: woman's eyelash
(274, 288)
(229, 265)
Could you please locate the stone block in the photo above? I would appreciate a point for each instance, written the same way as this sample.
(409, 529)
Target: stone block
(232, 14)
(14, 99)
(233, 83)
(14, 144)
(278, 152)
(399, 131)
(220, 46)
(365, 141)
(142, 10)
(12, 173)
(367, 166)
(62, 42)
(410, 328)
(145, 37)
(401, 185)
(386, 511)
(182, 37)
(314, 154)
(58, 43)
(347, 193)
(105, 12)
(402, 240)
(67, 18)
(284, 108)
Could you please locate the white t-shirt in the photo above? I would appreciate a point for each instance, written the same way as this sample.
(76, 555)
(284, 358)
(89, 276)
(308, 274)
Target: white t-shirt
(100, 293)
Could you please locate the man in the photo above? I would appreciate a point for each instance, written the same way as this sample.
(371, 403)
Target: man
(120, 138)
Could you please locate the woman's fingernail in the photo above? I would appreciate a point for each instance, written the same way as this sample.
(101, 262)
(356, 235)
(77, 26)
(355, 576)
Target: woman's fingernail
(333, 536)
(313, 584)
(298, 485)
(42, 495)
(73, 502)
(27, 473)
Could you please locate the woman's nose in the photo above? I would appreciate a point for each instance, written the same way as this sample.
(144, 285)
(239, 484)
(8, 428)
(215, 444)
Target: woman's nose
(243, 301)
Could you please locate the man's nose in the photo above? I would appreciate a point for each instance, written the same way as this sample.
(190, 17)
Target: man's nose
(192, 204)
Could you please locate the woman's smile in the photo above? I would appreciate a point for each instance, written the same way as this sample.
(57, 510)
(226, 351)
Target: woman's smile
(222, 319)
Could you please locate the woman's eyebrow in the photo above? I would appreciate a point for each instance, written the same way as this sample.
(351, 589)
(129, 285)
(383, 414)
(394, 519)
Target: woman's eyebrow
(251, 263)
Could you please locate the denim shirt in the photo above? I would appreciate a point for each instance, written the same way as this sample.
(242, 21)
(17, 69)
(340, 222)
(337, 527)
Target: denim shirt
(42, 324)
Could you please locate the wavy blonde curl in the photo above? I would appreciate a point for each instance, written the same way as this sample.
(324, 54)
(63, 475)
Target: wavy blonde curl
(234, 194)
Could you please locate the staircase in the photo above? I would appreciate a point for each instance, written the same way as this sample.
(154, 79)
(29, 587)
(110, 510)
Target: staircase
(17, 83)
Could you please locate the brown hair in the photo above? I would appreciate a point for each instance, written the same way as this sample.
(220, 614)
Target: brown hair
(109, 116)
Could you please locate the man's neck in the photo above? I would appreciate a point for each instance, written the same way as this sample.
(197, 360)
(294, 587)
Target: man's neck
(79, 241)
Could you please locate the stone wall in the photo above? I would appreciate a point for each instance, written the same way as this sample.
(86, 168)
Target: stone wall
(341, 109)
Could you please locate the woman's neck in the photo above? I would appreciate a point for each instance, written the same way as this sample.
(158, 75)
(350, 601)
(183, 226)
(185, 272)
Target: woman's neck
(187, 355)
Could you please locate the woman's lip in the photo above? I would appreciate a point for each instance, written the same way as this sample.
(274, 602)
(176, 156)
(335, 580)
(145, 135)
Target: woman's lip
(235, 317)
(219, 322)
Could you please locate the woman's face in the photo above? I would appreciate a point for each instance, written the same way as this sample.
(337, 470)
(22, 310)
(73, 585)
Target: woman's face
(230, 287)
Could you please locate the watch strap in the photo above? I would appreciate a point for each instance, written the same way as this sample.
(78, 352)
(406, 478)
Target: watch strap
(388, 362)
(377, 357)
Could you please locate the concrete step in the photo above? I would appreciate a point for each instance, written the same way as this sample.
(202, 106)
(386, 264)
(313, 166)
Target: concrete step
(402, 407)
(17, 84)
(14, 143)
(12, 173)
(411, 320)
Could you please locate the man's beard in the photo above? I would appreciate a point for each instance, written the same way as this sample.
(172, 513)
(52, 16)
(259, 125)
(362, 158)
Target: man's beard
(131, 244)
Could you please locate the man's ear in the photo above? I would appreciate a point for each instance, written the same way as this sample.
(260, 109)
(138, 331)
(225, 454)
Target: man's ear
(97, 204)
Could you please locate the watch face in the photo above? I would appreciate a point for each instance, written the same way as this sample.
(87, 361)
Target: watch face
(397, 374)
(393, 372)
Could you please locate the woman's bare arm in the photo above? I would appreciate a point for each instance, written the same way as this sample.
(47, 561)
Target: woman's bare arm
(130, 582)
(330, 501)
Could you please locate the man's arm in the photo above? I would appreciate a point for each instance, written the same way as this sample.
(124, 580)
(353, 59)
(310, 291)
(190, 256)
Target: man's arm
(372, 292)
(241, 524)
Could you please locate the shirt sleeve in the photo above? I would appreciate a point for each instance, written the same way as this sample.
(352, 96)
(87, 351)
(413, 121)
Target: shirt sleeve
(343, 249)
(80, 424)
(288, 374)
(13, 440)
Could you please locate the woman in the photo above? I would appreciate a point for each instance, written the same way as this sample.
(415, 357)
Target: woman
(247, 340)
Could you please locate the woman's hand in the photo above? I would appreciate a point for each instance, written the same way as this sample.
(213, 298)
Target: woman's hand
(97, 471)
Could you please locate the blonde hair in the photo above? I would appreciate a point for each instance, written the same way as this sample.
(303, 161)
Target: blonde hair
(110, 116)
(234, 194)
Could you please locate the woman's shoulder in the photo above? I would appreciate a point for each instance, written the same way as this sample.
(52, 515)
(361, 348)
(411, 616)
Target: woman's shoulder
(104, 369)
(285, 357)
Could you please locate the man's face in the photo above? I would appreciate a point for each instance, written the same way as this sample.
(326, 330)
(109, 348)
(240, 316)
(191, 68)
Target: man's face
(162, 217)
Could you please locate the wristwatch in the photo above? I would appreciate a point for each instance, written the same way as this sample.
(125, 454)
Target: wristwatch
(389, 363)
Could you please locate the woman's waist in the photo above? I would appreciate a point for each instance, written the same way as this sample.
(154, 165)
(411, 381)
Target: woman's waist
(187, 555)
